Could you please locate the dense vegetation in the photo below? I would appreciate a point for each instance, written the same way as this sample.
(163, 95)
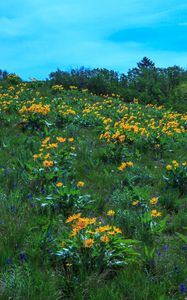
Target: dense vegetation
(93, 189)
(146, 82)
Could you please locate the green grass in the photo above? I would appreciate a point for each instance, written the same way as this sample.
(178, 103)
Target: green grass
(28, 232)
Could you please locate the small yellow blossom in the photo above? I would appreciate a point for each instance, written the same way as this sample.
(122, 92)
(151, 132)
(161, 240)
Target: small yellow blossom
(48, 163)
(111, 213)
(88, 243)
(122, 166)
(61, 139)
(155, 213)
(80, 184)
(47, 156)
(175, 163)
(122, 138)
(59, 184)
(157, 146)
(35, 156)
(154, 200)
(168, 167)
(105, 239)
(117, 230)
(130, 164)
(135, 202)
(73, 217)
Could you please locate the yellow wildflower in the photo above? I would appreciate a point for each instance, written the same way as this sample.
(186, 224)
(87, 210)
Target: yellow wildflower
(122, 166)
(154, 200)
(47, 156)
(105, 239)
(61, 139)
(111, 213)
(59, 184)
(135, 202)
(175, 163)
(130, 164)
(117, 230)
(35, 156)
(88, 243)
(168, 167)
(48, 163)
(80, 184)
(122, 138)
(73, 217)
(155, 213)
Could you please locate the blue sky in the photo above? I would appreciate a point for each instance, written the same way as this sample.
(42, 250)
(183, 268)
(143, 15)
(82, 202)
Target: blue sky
(37, 36)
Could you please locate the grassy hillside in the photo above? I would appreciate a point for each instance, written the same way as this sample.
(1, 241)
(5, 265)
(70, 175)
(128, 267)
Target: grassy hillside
(93, 196)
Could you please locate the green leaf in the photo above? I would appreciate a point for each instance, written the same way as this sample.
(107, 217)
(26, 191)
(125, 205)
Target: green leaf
(182, 237)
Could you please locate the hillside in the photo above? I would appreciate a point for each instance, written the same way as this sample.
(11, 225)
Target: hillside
(93, 193)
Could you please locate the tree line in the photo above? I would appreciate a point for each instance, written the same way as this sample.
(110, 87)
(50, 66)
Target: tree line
(148, 83)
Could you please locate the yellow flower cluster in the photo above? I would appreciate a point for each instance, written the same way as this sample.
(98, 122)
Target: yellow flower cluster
(90, 226)
(48, 163)
(4, 105)
(36, 108)
(57, 87)
(81, 223)
(137, 123)
(73, 218)
(46, 146)
(124, 165)
(174, 165)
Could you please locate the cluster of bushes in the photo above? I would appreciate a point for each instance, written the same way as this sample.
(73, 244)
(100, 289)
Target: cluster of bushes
(9, 78)
(145, 82)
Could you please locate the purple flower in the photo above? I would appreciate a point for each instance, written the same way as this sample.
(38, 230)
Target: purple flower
(22, 257)
(166, 247)
(9, 261)
(182, 288)
(43, 190)
(6, 171)
(29, 196)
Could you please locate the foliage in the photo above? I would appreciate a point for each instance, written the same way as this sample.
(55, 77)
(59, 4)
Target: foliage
(91, 193)
(146, 82)
(177, 175)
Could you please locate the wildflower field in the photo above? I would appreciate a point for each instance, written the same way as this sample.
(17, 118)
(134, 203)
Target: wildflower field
(93, 196)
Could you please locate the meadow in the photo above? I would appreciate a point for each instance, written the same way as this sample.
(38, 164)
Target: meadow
(93, 196)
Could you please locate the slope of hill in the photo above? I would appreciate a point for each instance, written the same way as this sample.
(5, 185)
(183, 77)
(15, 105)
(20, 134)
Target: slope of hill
(93, 194)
